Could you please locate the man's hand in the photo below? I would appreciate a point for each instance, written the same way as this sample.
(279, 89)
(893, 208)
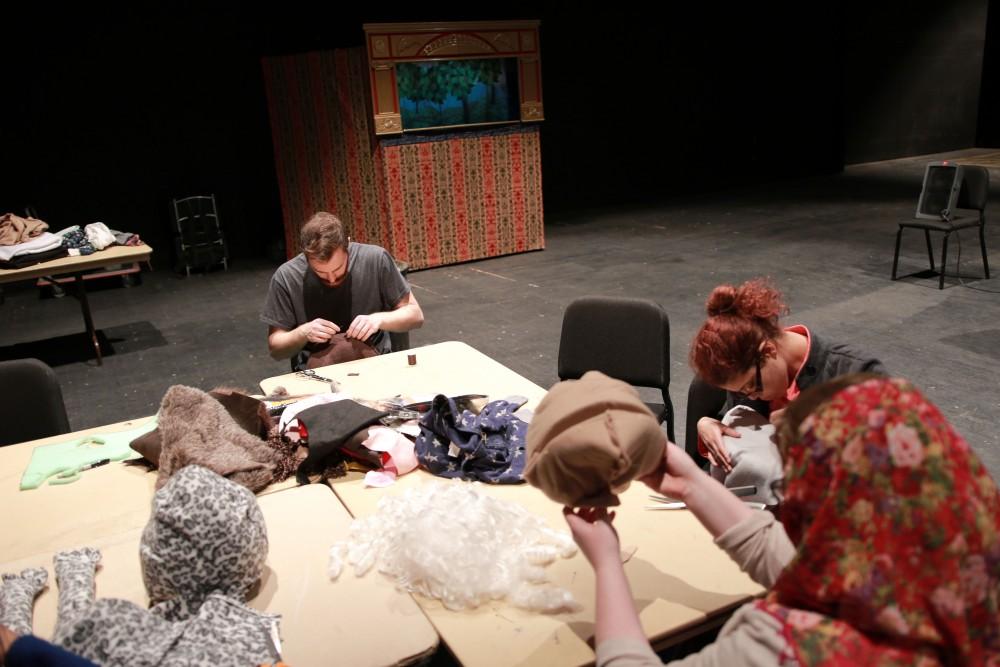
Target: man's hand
(711, 431)
(364, 326)
(319, 330)
(594, 534)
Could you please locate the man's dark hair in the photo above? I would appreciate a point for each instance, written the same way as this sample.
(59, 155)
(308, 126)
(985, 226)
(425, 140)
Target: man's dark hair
(322, 235)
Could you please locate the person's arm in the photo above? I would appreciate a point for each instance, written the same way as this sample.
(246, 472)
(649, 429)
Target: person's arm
(616, 617)
(406, 316)
(757, 543)
(759, 546)
(713, 504)
(282, 343)
(751, 638)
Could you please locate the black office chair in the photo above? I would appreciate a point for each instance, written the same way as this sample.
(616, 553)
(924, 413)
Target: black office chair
(947, 188)
(627, 339)
(31, 405)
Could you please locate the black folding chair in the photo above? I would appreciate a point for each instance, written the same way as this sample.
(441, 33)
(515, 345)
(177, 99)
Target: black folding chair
(32, 403)
(627, 339)
(947, 190)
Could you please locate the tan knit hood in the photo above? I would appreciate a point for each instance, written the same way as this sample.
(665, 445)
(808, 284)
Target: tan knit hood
(589, 438)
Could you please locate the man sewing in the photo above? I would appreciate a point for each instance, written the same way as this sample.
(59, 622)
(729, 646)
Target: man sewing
(335, 286)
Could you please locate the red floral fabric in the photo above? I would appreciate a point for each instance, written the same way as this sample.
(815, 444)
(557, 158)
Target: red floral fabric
(897, 528)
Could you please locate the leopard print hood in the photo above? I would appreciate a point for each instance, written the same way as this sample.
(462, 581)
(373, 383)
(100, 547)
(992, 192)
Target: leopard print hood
(205, 535)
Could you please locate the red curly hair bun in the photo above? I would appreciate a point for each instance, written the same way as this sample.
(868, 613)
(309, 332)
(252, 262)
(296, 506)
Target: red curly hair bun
(739, 320)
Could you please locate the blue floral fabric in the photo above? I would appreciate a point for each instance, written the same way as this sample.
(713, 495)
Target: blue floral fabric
(77, 239)
(488, 447)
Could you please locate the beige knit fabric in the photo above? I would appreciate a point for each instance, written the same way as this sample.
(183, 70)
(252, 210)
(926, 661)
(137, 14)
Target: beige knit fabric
(589, 438)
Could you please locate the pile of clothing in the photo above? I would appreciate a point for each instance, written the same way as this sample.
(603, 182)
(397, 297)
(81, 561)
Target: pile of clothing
(95, 236)
(320, 436)
(27, 241)
(452, 437)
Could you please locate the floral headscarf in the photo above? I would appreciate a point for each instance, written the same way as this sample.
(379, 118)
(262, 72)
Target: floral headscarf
(897, 528)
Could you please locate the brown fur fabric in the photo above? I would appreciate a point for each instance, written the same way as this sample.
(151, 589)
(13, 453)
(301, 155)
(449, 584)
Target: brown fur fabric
(289, 452)
(340, 349)
(249, 413)
(195, 428)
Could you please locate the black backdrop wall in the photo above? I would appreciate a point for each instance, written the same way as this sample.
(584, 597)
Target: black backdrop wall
(988, 130)
(913, 73)
(110, 111)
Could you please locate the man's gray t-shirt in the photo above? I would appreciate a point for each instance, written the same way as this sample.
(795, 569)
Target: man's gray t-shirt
(374, 284)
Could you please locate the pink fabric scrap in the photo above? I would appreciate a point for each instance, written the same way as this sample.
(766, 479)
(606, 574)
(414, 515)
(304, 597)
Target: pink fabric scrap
(379, 479)
(402, 457)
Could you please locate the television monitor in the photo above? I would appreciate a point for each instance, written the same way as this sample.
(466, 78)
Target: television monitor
(939, 194)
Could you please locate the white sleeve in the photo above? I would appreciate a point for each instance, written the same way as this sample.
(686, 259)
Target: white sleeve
(751, 638)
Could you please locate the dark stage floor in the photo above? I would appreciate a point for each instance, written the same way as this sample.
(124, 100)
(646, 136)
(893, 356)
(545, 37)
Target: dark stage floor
(827, 241)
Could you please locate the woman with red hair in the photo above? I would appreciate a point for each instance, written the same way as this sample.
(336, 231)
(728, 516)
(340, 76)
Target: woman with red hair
(743, 349)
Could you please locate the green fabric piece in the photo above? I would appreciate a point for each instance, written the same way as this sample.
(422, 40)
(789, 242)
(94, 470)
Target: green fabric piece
(63, 461)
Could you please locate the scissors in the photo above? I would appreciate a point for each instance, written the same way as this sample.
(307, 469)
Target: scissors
(310, 374)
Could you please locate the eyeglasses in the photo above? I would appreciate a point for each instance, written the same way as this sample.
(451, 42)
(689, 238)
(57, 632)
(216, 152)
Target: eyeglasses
(758, 384)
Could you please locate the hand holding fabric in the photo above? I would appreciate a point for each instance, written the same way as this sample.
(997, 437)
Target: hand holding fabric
(594, 534)
(710, 431)
(364, 326)
(676, 475)
(715, 507)
(319, 330)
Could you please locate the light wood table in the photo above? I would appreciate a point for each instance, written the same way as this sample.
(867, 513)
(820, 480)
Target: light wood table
(77, 267)
(104, 502)
(353, 621)
(682, 582)
(451, 368)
